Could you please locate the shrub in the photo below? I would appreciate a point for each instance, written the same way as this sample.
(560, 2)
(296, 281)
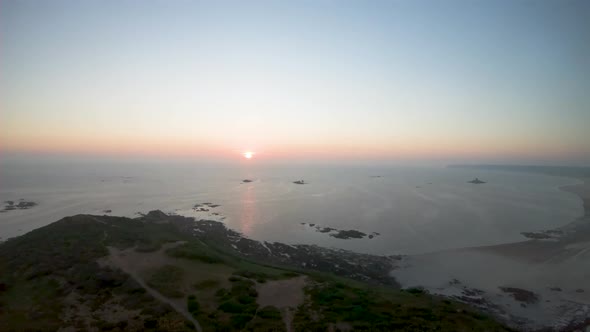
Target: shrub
(245, 299)
(243, 287)
(269, 312)
(165, 280)
(205, 284)
(240, 320)
(195, 251)
(231, 306)
(150, 323)
(258, 276)
(290, 274)
(221, 292)
(415, 290)
(148, 246)
(192, 305)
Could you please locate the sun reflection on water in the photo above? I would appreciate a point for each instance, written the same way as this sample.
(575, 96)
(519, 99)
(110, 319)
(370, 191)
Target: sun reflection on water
(248, 209)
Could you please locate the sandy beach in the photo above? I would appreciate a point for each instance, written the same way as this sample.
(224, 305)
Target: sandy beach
(537, 284)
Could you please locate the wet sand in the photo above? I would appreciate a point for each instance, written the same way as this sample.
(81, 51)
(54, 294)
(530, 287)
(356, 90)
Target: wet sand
(531, 285)
(583, 191)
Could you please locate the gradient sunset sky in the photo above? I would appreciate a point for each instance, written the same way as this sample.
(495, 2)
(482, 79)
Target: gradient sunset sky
(455, 81)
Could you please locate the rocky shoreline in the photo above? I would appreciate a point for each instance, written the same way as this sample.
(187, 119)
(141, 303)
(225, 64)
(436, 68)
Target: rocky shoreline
(372, 269)
(340, 233)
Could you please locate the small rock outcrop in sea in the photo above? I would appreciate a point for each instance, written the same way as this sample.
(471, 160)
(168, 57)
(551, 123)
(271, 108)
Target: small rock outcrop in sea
(476, 181)
(341, 234)
(20, 205)
(204, 207)
(521, 295)
(543, 235)
(299, 182)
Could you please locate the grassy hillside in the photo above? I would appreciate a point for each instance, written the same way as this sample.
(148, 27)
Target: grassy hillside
(106, 273)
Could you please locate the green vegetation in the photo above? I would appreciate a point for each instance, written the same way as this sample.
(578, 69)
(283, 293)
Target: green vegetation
(262, 277)
(196, 251)
(54, 272)
(239, 321)
(148, 246)
(269, 312)
(207, 284)
(236, 309)
(240, 301)
(166, 279)
(415, 290)
(39, 270)
(192, 305)
(222, 292)
(40, 291)
(373, 309)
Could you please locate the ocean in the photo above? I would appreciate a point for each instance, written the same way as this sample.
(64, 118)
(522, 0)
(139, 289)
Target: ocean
(408, 210)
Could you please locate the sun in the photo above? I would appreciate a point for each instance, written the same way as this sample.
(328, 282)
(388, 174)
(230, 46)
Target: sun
(248, 155)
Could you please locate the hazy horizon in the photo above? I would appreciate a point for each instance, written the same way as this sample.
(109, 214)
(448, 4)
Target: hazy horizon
(380, 82)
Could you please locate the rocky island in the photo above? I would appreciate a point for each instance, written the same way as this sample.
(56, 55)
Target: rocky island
(21, 204)
(204, 207)
(341, 234)
(476, 181)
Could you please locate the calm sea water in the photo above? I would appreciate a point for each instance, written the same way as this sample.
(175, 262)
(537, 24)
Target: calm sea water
(415, 210)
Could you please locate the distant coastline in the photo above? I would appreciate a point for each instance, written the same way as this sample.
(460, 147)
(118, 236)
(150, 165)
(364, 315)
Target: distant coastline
(582, 190)
(579, 172)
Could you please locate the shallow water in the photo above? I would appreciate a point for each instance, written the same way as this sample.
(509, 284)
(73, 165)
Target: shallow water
(415, 210)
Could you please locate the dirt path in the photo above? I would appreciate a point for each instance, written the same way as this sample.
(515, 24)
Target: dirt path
(286, 295)
(116, 258)
(287, 314)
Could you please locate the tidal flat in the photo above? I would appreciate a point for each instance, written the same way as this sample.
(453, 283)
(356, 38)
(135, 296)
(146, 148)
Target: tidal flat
(540, 283)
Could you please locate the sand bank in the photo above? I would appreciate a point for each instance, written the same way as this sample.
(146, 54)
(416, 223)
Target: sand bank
(530, 285)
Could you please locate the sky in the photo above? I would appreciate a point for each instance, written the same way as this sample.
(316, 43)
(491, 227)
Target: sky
(450, 81)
